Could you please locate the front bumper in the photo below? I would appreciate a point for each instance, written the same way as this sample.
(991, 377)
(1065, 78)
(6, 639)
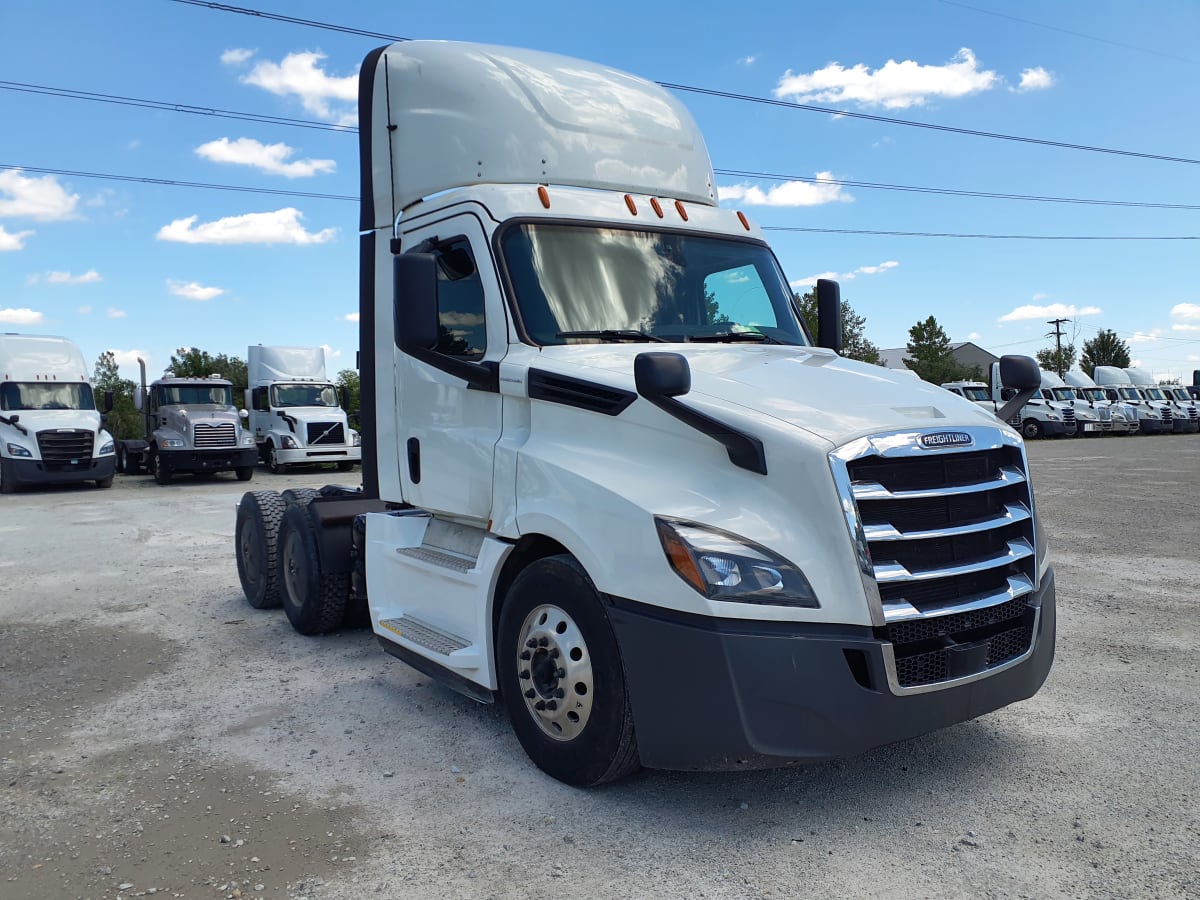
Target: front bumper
(708, 694)
(319, 454)
(32, 472)
(209, 460)
(1056, 429)
(1154, 426)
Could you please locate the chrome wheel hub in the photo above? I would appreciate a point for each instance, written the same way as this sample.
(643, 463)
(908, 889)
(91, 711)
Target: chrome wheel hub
(554, 670)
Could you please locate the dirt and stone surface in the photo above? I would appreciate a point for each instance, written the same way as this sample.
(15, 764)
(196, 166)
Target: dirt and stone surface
(158, 737)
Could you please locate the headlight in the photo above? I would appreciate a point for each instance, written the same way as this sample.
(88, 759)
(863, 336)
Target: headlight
(248, 439)
(18, 450)
(107, 448)
(355, 439)
(723, 566)
(167, 443)
(1052, 417)
(288, 442)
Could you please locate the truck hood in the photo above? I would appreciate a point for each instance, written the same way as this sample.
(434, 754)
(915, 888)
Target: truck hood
(181, 419)
(811, 388)
(35, 420)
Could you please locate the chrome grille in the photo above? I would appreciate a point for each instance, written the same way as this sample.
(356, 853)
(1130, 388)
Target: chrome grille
(65, 446)
(326, 433)
(1068, 414)
(1104, 413)
(946, 540)
(220, 435)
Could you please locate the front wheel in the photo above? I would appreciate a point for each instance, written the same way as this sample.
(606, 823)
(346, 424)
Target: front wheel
(1030, 429)
(273, 464)
(104, 482)
(160, 469)
(561, 676)
(244, 473)
(7, 485)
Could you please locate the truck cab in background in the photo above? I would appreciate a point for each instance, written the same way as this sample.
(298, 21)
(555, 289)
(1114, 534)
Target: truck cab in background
(191, 427)
(294, 409)
(1041, 416)
(1089, 420)
(50, 429)
(1153, 417)
(1183, 415)
(610, 480)
(1122, 418)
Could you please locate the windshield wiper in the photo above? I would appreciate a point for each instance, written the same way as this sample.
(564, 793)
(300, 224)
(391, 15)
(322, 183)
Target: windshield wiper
(615, 335)
(730, 337)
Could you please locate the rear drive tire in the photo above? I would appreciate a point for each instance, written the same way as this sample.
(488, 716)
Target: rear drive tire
(315, 602)
(256, 543)
(561, 676)
(299, 496)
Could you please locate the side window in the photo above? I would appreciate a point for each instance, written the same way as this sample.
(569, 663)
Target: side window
(461, 322)
(258, 397)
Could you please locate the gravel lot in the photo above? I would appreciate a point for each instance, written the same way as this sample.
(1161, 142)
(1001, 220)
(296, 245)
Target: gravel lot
(159, 737)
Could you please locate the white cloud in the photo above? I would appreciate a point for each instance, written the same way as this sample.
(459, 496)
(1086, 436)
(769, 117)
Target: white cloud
(91, 276)
(22, 316)
(974, 336)
(1144, 337)
(193, 290)
(812, 279)
(114, 313)
(130, 358)
(1135, 364)
(1182, 326)
(1052, 310)
(279, 227)
(299, 75)
(897, 85)
(790, 193)
(84, 310)
(42, 199)
(1185, 311)
(845, 276)
(1035, 79)
(235, 56)
(747, 60)
(330, 353)
(12, 240)
(875, 270)
(350, 317)
(271, 158)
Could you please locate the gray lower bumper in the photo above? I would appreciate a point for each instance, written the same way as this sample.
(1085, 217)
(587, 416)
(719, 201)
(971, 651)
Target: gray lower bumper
(33, 472)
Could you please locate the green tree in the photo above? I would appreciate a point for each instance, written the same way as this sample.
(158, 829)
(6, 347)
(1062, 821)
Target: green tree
(854, 341)
(930, 355)
(1105, 349)
(192, 362)
(1053, 360)
(348, 380)
(123, 421)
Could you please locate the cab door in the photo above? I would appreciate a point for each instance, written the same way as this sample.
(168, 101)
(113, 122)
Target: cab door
(448, 400)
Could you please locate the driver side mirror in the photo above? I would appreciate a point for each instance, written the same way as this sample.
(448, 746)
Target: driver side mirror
(414, 301)
(108, 402)
(829, 315)
(344, 396)
(661, 375)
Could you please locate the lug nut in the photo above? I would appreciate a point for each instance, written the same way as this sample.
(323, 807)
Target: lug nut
(540, 705)
(552, 705)
(554, 654)
(543, 642)
(532, 642)
(560, 693)
(523, 674)
(560, 673)
(531, 693)
(525, 654)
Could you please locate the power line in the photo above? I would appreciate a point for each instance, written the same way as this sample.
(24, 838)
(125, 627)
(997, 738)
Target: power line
(311, 23)
(990, 195)
(732, 173)
(171, 107)
(995, 237)
(173, 182)
(1080, 34)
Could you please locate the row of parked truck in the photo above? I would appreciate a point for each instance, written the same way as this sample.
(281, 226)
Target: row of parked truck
(1110, 401)
(52, 430)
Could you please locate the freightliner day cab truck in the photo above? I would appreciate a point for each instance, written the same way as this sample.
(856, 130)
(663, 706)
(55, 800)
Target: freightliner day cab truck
(1088, 419)
(191, 427)
(50, 429)
(1183, 415)
(1041, 416)
(1121, 417)
(1154, 417)
(609, 480)
(294, 411)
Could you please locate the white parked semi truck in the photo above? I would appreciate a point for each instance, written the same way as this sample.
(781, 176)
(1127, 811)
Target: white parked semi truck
(191, 427)
(1182, 414)
(1154, 417)
(610, 481)
(1122, 418)
(1088, 419)
(50, 429)
(294, 409)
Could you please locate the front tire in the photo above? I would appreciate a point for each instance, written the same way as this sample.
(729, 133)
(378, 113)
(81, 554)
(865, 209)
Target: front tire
(561, 676)
(244, 473)
(7, 485)
(160, 469)
(103, 483)
(1031, 429)
(256, 542)
(315, 602)
(273, 464)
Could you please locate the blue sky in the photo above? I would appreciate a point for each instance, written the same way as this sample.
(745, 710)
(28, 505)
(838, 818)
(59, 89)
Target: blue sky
(143, 269)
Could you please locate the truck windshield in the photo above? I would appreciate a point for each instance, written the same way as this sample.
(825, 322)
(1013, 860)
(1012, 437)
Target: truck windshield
(577, 283)
(1129, 393)
(16, 395)
(1063, 393)
(1092, 393)
(1153, 393)
(195, 394)
(976, 393)
(1181, 394)
(303, 395)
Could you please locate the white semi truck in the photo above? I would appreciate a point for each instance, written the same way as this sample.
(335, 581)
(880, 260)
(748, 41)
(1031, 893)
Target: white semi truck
(1122, 417)
(294, 409)
(1182, 413)
(1041, 415)
(610, 481)
(191, 426)
(1154, 417)
(1088, 419)
(50, 429)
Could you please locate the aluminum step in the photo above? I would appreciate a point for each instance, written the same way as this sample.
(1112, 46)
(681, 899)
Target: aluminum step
(417, 632)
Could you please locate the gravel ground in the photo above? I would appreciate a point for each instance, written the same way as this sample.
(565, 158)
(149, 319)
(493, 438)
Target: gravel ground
(160, 738)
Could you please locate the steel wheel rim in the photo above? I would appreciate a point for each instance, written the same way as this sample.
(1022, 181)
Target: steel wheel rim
(293, 565)
(249, 555)
(554, 670)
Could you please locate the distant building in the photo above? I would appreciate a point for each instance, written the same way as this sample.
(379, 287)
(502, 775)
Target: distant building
(964, 352)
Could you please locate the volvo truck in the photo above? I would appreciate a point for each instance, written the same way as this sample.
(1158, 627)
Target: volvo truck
(50, 429)
(611, 482)
(191, 426)
(294, 410)
(1154, 417)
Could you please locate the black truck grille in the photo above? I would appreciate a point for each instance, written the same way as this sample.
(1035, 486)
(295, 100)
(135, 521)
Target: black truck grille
(326, 433)
(950, 540)
(65, 446)
(207, 436)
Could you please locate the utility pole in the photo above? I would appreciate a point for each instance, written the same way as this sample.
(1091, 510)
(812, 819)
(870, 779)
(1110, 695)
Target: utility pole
(1057, 333)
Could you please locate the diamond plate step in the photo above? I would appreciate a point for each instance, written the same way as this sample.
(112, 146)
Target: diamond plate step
(426, 636)
(442, 558)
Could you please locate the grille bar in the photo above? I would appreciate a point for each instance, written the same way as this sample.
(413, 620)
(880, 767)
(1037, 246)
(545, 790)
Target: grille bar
(65, 445)
(873, 490)
(1013, 512)
(903, 611)
(893, 572)
(222, 435)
